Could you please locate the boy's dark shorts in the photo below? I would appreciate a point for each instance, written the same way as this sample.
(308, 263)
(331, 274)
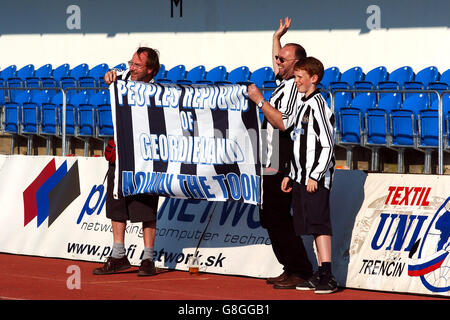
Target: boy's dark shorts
(138, 208)
(311, 210)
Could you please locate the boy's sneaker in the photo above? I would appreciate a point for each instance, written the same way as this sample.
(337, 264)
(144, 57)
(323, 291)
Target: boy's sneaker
(309, 284)
(326, 285)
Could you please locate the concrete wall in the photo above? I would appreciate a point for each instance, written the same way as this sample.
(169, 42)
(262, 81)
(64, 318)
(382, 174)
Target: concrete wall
(343, 33)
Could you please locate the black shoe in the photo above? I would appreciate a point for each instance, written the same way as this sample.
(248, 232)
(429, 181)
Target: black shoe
(327, 284)
(309, 284)
(147, 268)
(113, 265)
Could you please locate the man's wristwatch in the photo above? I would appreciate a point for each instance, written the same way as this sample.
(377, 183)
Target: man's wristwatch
(261, 103)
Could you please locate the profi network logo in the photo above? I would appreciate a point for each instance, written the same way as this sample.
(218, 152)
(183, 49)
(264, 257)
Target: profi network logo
(51, 193)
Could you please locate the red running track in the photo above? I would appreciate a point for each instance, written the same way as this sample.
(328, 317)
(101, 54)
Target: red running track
(37, 278)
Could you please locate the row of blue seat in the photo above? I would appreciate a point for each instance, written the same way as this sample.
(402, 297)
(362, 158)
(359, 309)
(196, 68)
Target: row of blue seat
(353, 78)
(28, 76)
(410, 124)
(356, 120)
(40, 113)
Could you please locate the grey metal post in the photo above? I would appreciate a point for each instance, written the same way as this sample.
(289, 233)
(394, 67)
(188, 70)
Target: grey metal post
(64, 104)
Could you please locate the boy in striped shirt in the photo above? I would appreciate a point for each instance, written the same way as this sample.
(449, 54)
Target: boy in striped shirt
(312, 169)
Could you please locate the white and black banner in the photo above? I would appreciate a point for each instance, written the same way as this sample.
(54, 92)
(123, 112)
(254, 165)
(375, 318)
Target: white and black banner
(186, 141)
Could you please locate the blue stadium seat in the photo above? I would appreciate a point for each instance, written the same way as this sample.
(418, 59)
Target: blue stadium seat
(3, 93)
(403, 134)
(25, 72)
(333, 86)
(69, 82)
(439, 87)
(341, 101)
(71, 120)
(376, 133)
(12, 117)
(60, 72)
(81, 70)
(402, 75)
(50, 82)
(80, 98)
(376, 75)
(121, 66)
(86, 120)
(416, 102)
(364, 101)
(387, 85)
(412, 85)
(49, 119)
(99, 98)
(428, 128)
(216, 74)
(377, 129)
(14, 83)
(352, 75)
(39, 97)
(427, 75)
(32, 82)
(57, 98)
(262, 74)
(445, 77)
(446, 114)
(350, 131)
(403, 128)
(390, 101)
(238, 75)
(176, 73)
(362, 85)
(30, 118)
(44, 71)
(196, 74)
(268, 88)
(331, 74)
(8, 72)
(105, 123)
(161, 73)
(98, 72)
(23, 97)
(88, 82)
(428, 134)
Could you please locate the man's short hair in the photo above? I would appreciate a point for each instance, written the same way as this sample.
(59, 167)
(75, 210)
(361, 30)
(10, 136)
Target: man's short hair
(152, 61)
(312, 66)
(300, 52)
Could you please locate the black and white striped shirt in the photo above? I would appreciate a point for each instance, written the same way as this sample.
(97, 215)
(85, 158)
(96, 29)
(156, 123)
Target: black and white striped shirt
(286, 99)
(314, 136)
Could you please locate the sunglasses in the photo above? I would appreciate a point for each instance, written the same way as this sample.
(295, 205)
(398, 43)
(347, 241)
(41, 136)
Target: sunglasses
(282, 60)
(136, 65)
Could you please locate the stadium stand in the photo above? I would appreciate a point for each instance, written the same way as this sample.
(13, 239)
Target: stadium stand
(376, 110)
